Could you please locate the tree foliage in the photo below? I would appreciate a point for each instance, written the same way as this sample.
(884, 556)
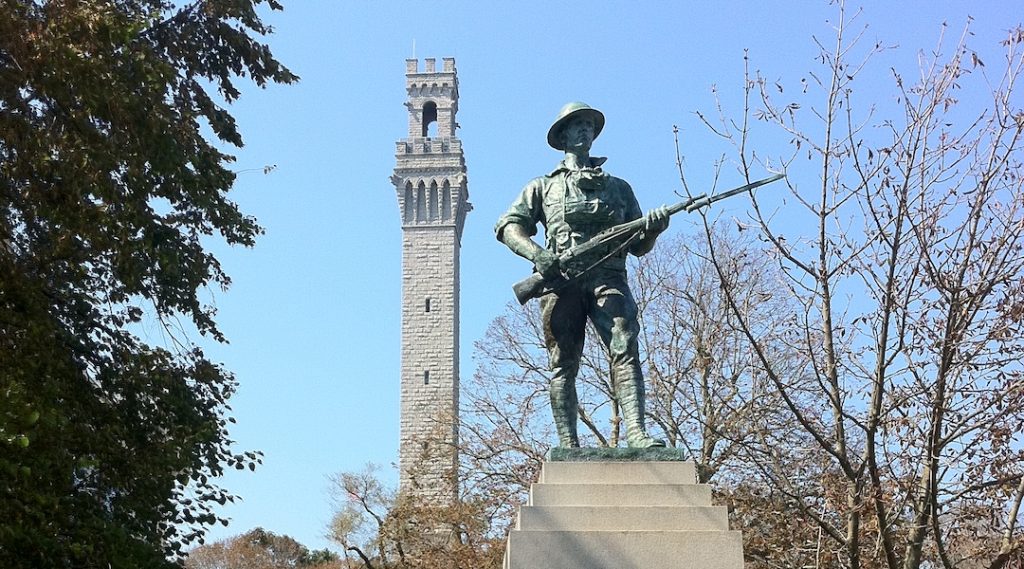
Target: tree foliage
(260, 549)
(379, 529)
(108, 186)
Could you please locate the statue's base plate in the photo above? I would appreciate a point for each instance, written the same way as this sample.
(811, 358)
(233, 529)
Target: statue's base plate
(606, 454)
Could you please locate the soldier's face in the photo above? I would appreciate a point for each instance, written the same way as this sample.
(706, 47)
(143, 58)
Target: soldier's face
(579, 133)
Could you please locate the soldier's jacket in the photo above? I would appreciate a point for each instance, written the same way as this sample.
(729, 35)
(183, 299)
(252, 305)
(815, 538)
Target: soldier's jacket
(573, 206)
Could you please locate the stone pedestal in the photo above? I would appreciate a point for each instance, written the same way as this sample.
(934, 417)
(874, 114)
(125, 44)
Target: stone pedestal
(621, 509)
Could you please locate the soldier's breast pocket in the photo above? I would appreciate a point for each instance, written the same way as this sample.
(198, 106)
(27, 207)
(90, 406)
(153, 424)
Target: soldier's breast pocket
(590, 210)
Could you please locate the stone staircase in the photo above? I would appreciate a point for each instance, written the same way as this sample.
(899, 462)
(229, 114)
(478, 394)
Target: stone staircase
(613, 514)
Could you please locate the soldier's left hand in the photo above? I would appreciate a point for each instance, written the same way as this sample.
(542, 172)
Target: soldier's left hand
(657, 220)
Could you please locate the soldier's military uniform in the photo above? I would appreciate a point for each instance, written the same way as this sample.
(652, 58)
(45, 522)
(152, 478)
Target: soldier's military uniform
(573, 205)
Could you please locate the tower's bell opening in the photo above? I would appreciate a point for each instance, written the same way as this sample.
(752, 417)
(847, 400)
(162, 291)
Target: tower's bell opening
(430, 119)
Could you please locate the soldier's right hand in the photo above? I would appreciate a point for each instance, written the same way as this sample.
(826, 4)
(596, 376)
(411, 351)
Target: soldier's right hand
(546, 263)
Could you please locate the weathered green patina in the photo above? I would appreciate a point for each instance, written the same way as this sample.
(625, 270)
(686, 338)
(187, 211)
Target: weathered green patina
(607, 454)
(574, 202)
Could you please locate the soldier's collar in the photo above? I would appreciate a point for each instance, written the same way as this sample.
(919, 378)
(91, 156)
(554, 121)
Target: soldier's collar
(595, 162)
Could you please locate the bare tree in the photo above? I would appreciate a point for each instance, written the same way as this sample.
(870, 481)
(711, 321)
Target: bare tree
(381, 529)
(706, 392)
(904, 254)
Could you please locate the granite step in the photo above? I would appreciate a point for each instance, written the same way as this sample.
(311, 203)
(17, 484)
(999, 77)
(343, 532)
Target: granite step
(624, 550)
(620, 495)
(623, 518)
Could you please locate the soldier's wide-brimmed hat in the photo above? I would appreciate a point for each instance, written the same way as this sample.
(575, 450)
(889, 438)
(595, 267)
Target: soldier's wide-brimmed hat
(569, 111)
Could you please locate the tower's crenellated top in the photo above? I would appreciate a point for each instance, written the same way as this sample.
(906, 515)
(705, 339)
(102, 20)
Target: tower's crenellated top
(412, 65)
(433, 98)
(430, 170)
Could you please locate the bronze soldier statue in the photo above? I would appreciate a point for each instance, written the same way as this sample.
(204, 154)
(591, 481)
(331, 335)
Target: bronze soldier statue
(574, 202)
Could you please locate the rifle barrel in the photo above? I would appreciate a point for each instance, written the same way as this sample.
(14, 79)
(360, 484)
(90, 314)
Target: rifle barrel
(535, 285)
(702, 201)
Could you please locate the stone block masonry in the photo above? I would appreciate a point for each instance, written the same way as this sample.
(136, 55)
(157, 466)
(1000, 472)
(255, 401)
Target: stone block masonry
(430, 356)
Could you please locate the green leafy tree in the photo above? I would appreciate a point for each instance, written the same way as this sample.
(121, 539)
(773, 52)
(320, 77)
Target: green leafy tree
(109, 445)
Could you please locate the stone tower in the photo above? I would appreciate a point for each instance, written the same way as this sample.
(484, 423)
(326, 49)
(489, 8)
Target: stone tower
(430, 180)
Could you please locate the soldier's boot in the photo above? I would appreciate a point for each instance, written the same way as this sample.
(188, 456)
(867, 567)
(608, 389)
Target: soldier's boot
(564, 410)
(631, 401)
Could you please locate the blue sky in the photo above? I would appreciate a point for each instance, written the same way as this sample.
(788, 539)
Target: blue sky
(313, 315)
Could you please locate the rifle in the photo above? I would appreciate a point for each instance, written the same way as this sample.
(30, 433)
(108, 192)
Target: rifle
(614, 239)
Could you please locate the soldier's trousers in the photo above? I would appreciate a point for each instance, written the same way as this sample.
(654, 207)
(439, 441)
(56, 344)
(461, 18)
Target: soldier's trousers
(604, 298)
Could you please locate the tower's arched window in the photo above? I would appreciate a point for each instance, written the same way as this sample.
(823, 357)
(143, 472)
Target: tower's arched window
(430, 119)
(433, 201)
(410, 203)
(446, 201)
(421, 203)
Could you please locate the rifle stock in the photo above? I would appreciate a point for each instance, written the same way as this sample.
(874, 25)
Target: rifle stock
(530, 287)
(536, 285)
